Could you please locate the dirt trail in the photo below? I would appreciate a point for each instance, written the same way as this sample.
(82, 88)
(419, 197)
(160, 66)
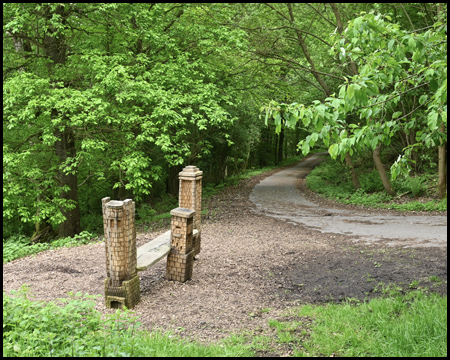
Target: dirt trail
(278, 196)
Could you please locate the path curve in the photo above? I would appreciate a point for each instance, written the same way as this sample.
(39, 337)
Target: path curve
(278, 196)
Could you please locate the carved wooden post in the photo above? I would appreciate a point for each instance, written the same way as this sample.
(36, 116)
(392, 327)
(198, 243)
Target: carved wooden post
(122, 282)
(180, 260)
(190, 197)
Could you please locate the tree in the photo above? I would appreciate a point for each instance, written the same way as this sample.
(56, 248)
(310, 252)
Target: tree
(391, 64)
(103, 87)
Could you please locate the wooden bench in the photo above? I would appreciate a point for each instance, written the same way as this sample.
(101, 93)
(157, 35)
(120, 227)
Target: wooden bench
(153, 251)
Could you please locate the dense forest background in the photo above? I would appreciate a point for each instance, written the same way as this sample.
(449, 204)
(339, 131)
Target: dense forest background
(115, 99)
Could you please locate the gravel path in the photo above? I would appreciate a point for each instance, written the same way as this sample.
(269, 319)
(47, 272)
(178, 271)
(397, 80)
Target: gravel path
(278, 196)
(251, 268)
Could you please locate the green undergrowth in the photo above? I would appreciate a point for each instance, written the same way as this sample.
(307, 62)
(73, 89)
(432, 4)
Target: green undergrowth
(400, 325)
(411, 325)
(332, 180)
(16, 247)
(211, 190)
(72, 327)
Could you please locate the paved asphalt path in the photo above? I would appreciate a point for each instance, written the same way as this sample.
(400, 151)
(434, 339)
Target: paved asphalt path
(278, 196)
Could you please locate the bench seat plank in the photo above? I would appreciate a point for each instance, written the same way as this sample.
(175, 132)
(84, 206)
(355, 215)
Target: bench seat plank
(153, 251)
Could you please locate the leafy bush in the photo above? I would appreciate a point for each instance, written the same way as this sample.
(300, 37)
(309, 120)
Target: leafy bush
(92, 223)
(371, 182)
(144, 213)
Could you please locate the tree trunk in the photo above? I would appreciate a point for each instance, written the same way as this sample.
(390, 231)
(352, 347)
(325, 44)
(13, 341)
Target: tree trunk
(173, 182)
(286, 153)
(355, 180)
(442, 166)
(302, 43)
(383, 175)
(280, 146)
(43, 230)
(65, 149)
(275, 149)
(55, 49)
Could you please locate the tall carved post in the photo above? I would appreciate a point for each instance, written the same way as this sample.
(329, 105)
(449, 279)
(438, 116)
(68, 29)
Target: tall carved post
(190, 197)
(122, 282)
(180, 260)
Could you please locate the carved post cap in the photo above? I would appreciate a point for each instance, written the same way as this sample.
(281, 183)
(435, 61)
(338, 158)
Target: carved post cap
(115, 204)
(190, 171)
(182, 212)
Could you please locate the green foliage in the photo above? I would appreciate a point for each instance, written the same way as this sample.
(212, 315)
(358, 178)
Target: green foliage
(330, 180)
(390, 64)
(416, 186)
(411, 325)
(72, 327)
(19, 246)
(371, 182)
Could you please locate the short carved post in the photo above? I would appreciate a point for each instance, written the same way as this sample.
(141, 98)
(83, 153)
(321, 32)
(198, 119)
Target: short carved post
(180, 260)
(190, 197)
(122, 282)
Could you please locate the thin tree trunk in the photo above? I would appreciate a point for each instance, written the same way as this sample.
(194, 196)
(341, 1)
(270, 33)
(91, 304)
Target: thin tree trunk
(302, 43)
(280, 145)
(173, 183)
(442, 166)
(355, 180)
(275, 149)
(383, 175)
(65, 149)
(55, 49)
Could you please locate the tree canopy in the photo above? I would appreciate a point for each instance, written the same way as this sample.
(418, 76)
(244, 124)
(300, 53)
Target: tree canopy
(113, 99)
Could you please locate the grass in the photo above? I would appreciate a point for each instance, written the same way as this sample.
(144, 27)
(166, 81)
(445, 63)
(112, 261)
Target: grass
(332, 180)
(414, 324)
(411, 325)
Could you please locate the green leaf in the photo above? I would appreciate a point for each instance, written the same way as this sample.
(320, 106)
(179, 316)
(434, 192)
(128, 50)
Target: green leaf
(396, 114)
(333, 150)
(292, 120)
(305, 148)
(412, 43)
(277, 118)
(342, 92)
(350, 91)
(374, 143)
(432, 120)
(278, 128)
(321, 110)
(422, 99)
(433, 85)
